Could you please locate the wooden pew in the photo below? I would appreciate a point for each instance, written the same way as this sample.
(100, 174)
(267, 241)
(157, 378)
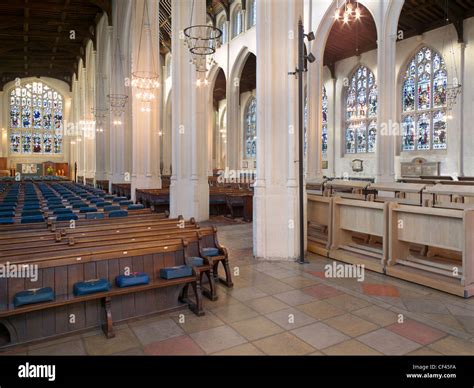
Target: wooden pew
(452, 196)
(406, 193)
(449, 266)
(347, 189)
(316, 187)
(359, 233)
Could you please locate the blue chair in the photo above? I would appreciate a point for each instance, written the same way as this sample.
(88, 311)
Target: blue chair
(67, 217)
(118, 199)
(62, 211)
(31, 219)
(88, 209)
(111, 208)
(103, 204)
(6, 221)
(94, 216)
(118, 213)
(31, 213)
(138, 206)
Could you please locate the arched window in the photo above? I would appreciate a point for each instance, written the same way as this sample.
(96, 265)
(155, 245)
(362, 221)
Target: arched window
(251, 129)
(237, 21)
(222, 25)
(36, 119)
(252, 13)
(361, 112)
(424, 102)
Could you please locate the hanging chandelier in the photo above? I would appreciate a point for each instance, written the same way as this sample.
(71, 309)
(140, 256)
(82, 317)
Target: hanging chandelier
(202, 41)
(347, 13)
(145, 81)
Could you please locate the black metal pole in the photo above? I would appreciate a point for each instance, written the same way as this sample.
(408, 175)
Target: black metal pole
(300, 72)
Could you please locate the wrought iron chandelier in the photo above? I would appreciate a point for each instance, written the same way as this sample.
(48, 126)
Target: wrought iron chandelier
(202, 41)
(349, 12)
(145, 81)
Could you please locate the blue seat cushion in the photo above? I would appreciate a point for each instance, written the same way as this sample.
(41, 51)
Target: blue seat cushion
(7, 214)
(57, 206)
(91, 287)
(31, 219)
(67, 217)
(118, 199)
(94, 216)
(96, 200)
(111, 208)
(7, 208)
(138, 206)
(134, 279)
(79, 205)
(217, 202)
(31, 206)
(38, 295)
(118, 213)
(108, 196)
(196, 261)
(125, 203)
(88, 209)
(210, 251)
(103, 204)
(31, 213)
(179, 271)
(6, 221)
(62, 211)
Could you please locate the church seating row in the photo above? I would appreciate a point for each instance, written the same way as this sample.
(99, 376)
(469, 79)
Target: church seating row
(104, 250)
(429, 245)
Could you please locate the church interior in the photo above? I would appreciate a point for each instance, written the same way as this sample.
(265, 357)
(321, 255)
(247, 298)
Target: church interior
(236, 177)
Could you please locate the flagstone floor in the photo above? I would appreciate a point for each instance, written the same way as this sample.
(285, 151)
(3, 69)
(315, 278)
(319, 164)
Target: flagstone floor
(284, 308)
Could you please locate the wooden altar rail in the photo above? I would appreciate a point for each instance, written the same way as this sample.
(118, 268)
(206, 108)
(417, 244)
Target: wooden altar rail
(122, 189)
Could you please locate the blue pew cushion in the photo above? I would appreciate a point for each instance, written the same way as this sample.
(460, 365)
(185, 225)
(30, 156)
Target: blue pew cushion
(54, 207)
(96, 200)
(79, 205)
(88, 209)
(103, 204)
(111, 208)
(134, 279)
(62, 211)
(94, 216)
(210, 251)
(31, 219)
(125, 203)
(179, 271)
(6, 221)
(118, 213)
(108, 196)
(196, 261)
(119, 199)
(31, 213)
(138, 206)
(9, 213)
(67, 217)
(91, 287)
(34, 295)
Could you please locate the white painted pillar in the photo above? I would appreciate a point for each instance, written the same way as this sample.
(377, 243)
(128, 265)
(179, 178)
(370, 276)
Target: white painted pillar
(166, 138)
(233, 122)
(145, 125)
(275, 227)
(189, 192)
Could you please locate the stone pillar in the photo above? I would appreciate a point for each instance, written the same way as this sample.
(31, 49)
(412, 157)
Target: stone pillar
(189, 191)
(145, 125)
(234, 141)
(275, 227)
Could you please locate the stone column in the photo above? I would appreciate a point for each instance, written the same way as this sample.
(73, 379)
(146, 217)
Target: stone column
(189, 192)
(275, 227)
(145, 124)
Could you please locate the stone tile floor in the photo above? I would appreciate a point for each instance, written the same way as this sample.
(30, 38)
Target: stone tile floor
(284, 308)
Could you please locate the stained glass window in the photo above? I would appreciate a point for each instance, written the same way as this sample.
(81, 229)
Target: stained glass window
(251, 129)
(424, 102)
(361, 112)
(36, 119)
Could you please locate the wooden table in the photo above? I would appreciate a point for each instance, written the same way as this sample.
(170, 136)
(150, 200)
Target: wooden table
(397, 187)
